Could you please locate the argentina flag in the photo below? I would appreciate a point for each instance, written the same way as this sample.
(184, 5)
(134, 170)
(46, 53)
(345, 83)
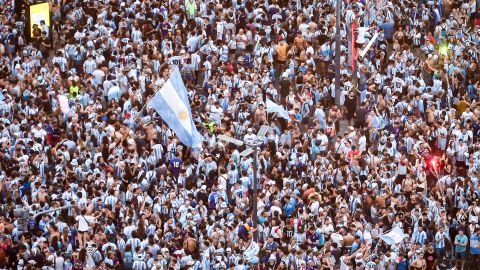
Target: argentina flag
(171, 103)
(272, 107)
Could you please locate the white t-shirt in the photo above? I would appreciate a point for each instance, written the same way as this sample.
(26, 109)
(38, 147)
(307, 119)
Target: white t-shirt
(467, 116)
(324, 141)
(398, 84)
(343, 265)
(183, 210)
(249, 138)
(84, 222)
(39, 133)
(362, 144)
(314, 207)
(59, 261)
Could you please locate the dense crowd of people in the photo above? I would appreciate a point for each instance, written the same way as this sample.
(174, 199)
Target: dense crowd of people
(396, 145)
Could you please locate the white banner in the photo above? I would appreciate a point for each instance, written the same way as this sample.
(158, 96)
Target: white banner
(395, 236)
(251, 253)
(63, 101)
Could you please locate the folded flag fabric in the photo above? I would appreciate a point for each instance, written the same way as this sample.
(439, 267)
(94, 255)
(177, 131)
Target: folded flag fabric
(395, 236)
(273, 107)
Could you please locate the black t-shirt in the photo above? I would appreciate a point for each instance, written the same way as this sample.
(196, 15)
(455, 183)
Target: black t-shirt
(289, 231)
(92, 11)
(284, 87)
(217, 154)
(361, 113)
(350, 104)
(141, 143)
(202, 196)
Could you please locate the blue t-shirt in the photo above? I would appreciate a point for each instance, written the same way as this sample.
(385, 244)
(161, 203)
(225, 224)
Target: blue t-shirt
(387, 29)
(462, 239)
(402, 265)
(175, 164)
(475, 244)
(289, 209)
(355, 246)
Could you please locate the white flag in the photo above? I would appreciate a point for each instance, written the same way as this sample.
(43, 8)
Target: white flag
(395, 236)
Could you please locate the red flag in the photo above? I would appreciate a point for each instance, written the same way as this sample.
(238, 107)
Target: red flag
(354, 49)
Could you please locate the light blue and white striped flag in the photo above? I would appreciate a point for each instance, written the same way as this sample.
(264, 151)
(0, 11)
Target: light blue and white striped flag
(171, 103)
(273, 107)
